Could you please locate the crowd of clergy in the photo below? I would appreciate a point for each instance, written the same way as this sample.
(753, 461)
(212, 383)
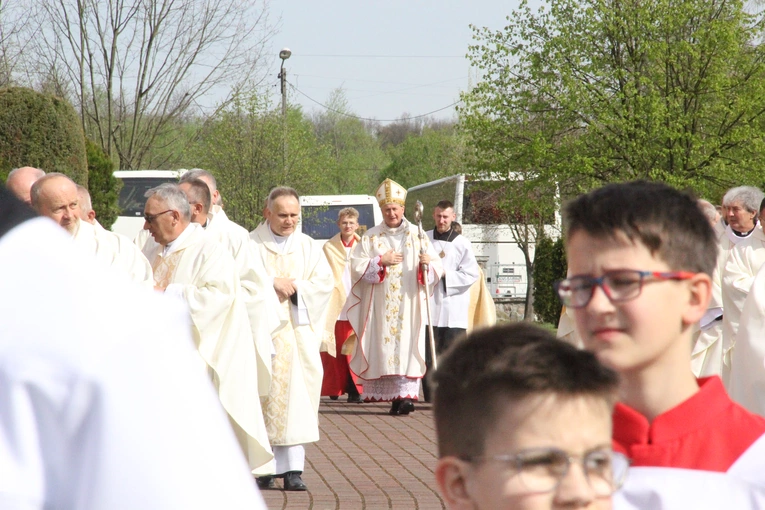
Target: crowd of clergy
(728, 340)
(279, 320)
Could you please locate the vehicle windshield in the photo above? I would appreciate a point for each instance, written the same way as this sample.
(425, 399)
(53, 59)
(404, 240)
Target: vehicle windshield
(132, 200)
(320, 221)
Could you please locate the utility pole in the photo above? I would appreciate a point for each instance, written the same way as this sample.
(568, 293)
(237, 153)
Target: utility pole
(284, 55)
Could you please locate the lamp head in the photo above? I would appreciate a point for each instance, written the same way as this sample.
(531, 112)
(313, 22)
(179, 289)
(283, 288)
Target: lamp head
(285, 54)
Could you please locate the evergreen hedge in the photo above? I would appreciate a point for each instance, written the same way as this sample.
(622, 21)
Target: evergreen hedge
(43, 131)
(549, 266)
(104, 188)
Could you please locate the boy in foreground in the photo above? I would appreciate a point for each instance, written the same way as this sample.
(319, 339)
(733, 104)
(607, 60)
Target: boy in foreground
(524, 422)
(640, 256)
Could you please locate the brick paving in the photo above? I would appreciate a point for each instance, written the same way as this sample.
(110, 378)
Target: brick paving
(367, 459)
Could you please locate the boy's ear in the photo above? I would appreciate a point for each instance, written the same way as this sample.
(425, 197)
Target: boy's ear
(698, 300)
(451, 478)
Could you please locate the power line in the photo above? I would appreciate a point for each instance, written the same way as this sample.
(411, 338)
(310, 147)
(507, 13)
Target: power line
(366, 118)
(377, 56)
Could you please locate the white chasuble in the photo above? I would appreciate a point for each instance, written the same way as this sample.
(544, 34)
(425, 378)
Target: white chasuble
(291, 410)
(263, 309)
(389, 314)
(114, 251)
(204, 275)
(451, 297)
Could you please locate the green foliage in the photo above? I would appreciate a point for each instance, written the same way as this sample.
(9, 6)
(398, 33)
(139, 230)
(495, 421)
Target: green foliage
(549, 266)
(104, 188)
(594, 91)
(43, 131)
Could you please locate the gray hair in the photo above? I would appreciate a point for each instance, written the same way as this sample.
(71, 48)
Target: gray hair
(34, 193)
(173, 197)
(85, 203)
(36, 171)
(198, 173)
(748, 196)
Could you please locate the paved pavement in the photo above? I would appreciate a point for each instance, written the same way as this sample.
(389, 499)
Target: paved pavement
(367, 459)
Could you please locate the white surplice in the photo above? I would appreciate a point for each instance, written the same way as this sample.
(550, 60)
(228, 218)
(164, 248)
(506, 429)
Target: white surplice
(114, 251)
(707, 354)
(101, 404)
(204, 275)
(291, 410)
(388, 311)
(451, 296)
(744, 261)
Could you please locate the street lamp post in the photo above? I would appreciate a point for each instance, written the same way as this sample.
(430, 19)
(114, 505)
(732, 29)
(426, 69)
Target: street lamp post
(284, 55)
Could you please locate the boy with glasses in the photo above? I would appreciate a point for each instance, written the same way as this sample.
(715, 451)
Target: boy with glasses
(640, 256)
(523, 421)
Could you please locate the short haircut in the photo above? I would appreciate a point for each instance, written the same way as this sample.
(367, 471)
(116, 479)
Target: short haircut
(85, 203)
(664, 220)
(349, 212)
(198, 173)
(199, 193)
(38, 173)
(281, 191)
(444, 204)
(493, 368)
(748, 196)
(173, 197)
(36, 190)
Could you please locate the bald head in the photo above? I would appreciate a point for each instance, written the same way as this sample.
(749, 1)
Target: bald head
(20, 181)
(55, 196)
(86, 206)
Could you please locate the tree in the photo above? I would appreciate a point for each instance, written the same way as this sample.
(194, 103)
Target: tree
(137, 66)
(43, 131)
(104, 188)
(549, 266)
(14, 38)
(601, 90)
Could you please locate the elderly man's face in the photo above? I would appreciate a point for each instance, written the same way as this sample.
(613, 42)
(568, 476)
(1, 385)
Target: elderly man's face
(393, 214)
(739, 217)
(160, 221)
(59, 201)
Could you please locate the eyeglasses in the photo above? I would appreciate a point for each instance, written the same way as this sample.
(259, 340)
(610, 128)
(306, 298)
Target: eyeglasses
(541, 470)
(619, 286)
(151, 217)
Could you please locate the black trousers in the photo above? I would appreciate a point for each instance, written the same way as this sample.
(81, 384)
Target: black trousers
(444, 338)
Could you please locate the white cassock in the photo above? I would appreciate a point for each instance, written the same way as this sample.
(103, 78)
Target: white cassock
(203, 275)
(141, 238)
(747, 381)
(451, 296)
(388, 312)
(744, 261)
(707, 354)
(291, 410)
(101, 404)
(263, 308)
(114, 251)
(567, 329)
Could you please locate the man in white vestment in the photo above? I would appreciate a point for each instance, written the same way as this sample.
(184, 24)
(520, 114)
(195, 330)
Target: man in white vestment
(86, 206)
(388, 309)
(101, 404)
(201, 273)
(451, 297)
(20, 180)
(707, 354)
(55, 196)
(265, 314)
(745, 257)
(302, 280)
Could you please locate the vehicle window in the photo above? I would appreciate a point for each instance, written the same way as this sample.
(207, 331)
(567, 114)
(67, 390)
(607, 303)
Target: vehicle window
(320, 221)
(132, 198)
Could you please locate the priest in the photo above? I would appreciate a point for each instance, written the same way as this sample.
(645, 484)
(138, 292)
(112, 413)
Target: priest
(301, 279)
(201, 273)
(388, 304)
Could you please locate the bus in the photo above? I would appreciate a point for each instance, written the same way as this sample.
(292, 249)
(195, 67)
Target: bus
(494, 245)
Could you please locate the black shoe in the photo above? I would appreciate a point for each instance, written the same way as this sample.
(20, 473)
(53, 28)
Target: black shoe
(333, 397)
(266, 482)
(406, 407)
(355, 399)
(293, 482)
(394, 407)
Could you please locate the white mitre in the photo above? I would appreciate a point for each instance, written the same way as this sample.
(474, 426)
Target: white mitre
(391, 192)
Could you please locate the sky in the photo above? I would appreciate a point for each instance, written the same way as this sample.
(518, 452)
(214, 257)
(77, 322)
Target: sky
(391, 57)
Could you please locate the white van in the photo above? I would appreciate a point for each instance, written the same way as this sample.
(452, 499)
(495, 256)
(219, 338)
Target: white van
(318, 217)
(131, 201)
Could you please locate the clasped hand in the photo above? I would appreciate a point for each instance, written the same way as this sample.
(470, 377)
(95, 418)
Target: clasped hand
(284, 287)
